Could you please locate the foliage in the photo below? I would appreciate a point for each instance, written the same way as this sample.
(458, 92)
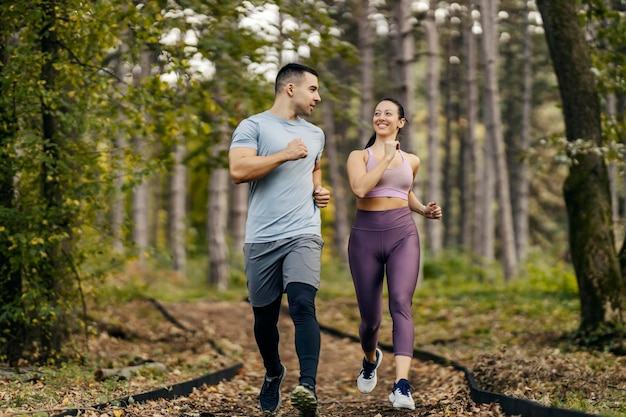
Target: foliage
(604, 22)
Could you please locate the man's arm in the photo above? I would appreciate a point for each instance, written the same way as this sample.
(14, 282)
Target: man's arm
(245, 165)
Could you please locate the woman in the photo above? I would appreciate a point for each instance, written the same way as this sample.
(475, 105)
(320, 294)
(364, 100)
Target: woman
(384, 237)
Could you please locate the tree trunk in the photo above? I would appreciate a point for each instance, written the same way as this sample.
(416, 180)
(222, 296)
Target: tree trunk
(341, 230)
(470, 151)
(453, 175)
(217, 216)
(141, 195)
(12, 330)
(51, 335)
(366, 69)
(602, 288)
(405, 55)
(431, 167)
(178, 208)
(483, 236)
(611, 111)
(521, 187)
(494, 133)
(238, 213)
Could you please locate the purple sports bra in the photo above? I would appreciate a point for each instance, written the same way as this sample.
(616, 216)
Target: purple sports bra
(395, 182)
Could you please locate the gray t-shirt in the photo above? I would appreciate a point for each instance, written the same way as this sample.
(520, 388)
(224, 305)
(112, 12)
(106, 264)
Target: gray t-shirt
(281, 203)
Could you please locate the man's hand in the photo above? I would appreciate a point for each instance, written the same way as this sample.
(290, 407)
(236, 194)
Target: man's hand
(321, 196)
(296, 149)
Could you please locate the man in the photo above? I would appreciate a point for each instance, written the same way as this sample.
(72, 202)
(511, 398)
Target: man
(278, 153)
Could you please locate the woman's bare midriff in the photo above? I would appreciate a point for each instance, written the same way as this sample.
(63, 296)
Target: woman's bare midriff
(380, 203)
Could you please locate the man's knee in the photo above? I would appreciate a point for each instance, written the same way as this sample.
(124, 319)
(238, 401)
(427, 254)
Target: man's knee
(301, 299)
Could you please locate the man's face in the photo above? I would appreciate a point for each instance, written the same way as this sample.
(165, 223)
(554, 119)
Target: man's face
(306, 95)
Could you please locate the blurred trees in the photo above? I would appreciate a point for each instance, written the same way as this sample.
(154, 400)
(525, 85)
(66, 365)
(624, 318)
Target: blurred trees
(115, 120)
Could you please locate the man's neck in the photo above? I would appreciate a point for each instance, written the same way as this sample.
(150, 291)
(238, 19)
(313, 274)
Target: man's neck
(283, 112)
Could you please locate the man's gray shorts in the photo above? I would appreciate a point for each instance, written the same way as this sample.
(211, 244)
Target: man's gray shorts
(271, 266)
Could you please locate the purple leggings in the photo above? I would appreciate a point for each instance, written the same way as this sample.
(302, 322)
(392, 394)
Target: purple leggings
(382, 240)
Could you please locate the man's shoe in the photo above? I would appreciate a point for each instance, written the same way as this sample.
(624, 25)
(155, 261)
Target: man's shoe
(304, 399)
(367, 379)
(400, 396)
(270, 398)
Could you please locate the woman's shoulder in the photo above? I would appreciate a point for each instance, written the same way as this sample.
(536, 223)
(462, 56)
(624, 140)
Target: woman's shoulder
(358, 152)
(413, 159)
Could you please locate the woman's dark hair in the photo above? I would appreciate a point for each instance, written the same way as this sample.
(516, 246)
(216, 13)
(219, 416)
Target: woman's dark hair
(400, 115)
(290, 72)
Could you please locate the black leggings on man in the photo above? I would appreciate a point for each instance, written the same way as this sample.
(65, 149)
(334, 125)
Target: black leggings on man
(301, 298)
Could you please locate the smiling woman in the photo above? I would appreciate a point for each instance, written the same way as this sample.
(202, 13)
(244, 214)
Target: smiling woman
(384, 237)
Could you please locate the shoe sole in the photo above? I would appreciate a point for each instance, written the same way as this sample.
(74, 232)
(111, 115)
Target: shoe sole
(304, 401)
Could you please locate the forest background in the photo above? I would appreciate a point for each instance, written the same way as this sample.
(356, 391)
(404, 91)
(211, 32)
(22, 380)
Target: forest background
(115, 121)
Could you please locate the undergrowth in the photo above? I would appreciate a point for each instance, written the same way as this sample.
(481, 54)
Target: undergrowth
(461, 308)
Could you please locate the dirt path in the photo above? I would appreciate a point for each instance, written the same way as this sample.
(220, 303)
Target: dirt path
(438, 391)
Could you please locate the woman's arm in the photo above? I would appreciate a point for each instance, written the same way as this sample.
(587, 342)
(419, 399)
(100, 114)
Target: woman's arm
(361, 180)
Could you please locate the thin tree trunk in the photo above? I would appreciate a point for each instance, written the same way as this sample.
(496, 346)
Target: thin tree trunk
(141, 195)
(470, 199)
(238, 213)
(217, 217)
(432, 165)
(521, 199)
(611, 110)
(341, 230)
(452, 172)
(494, 133)
(405, 55)
(178, 208)
(366, 70)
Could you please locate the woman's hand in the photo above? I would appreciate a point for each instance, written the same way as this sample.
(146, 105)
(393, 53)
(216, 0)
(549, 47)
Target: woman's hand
(433, 211)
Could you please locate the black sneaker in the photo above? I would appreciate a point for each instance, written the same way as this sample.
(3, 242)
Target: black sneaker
(304, 399)
(270, 398)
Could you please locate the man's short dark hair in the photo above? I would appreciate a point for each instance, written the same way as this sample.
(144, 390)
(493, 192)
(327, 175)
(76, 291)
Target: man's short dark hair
(291, 72)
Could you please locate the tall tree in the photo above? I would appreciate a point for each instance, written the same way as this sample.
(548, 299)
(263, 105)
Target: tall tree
(11, 329)
(403, 71)
(217, 220)
(521, 200)
(178, 208)
(495, 141)
(432, 169)
(599, 269)
(341, 231)
(470, 207)
(365, 45)
(141, 200)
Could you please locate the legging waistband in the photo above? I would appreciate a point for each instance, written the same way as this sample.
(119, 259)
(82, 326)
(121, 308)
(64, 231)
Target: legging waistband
(377, 221)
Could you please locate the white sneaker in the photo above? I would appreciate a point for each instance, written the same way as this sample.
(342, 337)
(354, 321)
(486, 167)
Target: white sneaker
(367, 379)
(400, 396)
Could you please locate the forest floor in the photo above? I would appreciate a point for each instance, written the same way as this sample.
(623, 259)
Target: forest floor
(193, 339)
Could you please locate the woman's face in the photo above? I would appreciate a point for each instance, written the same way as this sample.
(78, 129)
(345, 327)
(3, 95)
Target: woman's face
(386, 120)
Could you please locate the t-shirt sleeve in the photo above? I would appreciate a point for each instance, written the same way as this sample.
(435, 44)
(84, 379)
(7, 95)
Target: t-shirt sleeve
(246, 135)
(318, 158)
